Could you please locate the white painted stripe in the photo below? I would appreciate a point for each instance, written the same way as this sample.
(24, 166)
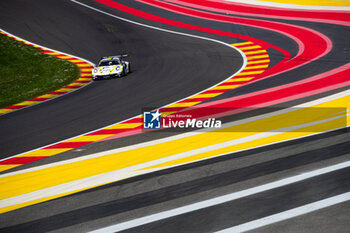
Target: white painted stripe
(219, 200)
(292, 6)
(305, 209)
(163, 140)
(152, 27)
(132, 171)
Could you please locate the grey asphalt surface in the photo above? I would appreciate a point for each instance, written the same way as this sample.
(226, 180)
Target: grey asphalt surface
(171, 188)
(161, 73)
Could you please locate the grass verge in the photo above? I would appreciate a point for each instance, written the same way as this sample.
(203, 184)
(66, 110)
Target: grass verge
(25, 72)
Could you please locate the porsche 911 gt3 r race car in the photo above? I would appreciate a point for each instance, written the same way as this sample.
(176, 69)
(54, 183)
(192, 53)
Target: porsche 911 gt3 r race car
(111, 66)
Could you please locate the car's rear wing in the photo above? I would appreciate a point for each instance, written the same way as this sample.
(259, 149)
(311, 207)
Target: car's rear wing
(116, 56)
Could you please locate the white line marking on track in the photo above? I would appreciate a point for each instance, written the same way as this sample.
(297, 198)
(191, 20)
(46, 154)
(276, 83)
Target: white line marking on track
(305, 209)
(222, 199)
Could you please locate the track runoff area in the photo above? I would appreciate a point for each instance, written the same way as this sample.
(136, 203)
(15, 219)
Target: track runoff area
(38, 184)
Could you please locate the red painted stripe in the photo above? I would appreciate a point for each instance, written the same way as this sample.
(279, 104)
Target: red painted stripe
(82, 81)
(39, 99)
(80, 62)
(15, 107)
(226, 7)
(21, 160)
(306, 38)
(253, 70)
(288, 92)
(195, 100)
(213, 91)
(234, 83)
(71, 59)
(58, 92)
(74, 87)
(65, 145)
(109, 131)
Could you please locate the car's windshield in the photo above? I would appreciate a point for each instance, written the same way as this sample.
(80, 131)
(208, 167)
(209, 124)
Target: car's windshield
(109, 63)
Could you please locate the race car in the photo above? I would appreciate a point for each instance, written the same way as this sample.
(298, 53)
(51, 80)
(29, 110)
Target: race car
(111, 66)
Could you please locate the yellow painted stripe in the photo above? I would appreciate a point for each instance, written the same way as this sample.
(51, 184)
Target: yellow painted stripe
(255, 52)
(66, 89)
(64, 56)
(259, 142)
(250, 73)
(258, 62)
(84, 79)
(125, 126)
(250, 47)
(75, 60)
(186, 104)
(89, 138)
(243, 43)
(256, 67)
(77, 84)
(48, 96)
(85, 65)
(27, 103)
(205, 95)
(53, 53)
(240, 79)
(86, 69)
(257, 57)
(2, 110)
(224, 87)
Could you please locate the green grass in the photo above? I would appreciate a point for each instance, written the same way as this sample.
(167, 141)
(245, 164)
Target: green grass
(26, 73)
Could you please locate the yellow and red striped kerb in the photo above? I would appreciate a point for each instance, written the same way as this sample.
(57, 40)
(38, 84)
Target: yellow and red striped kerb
(85, 77)
(257, 62)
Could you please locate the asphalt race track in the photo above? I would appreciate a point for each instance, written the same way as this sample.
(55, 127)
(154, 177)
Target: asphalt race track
(161, 74)
(231, 193)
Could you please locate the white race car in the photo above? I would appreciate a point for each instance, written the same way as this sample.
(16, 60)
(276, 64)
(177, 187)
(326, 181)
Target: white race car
(112, 66)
